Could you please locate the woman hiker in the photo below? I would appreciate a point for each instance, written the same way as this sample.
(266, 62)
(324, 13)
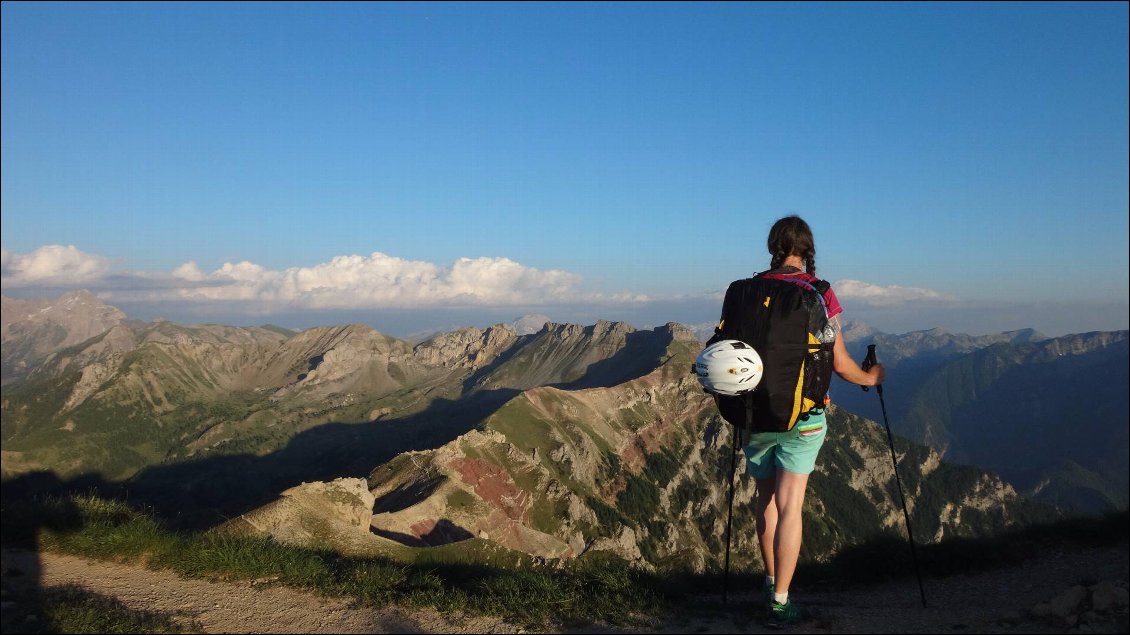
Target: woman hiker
(780, 461)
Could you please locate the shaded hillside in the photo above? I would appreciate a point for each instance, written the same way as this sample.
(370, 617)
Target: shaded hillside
(1048, 416)
(1045, 413)
(914, 356)
(569, 355)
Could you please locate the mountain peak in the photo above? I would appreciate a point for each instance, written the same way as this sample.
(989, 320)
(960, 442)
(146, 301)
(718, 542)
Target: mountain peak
(468, 347)
(854, 330)
(82, 295)
(46, 326)
(679, 331)
(529, 324)
(601, 329)
(605, 327)
(1024, 335)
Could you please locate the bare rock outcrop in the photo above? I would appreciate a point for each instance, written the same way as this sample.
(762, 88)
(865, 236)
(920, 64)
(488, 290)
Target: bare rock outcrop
(466, 348)
(318, 515)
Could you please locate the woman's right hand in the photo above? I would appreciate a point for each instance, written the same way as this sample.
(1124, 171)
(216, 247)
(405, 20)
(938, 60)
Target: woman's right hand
(876, 374)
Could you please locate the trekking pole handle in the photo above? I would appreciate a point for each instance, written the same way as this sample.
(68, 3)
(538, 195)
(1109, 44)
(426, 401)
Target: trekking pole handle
(868, 362)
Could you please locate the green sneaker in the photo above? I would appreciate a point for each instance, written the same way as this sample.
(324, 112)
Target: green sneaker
(767, 597)
(785, 614)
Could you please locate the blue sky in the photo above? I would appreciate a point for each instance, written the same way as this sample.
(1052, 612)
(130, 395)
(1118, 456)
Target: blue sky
(421, 166)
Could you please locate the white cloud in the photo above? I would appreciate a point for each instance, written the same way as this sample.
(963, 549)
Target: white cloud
(383, 281)
(376, 281)
(889, 296)
(51, 265)
(189, 271)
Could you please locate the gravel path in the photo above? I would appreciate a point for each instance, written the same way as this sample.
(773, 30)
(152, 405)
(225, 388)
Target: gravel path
(229, 607)
(998, 601)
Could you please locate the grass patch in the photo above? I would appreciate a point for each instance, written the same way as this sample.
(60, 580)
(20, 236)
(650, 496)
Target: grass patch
(547, 514)
(462, 500)
(522, 426)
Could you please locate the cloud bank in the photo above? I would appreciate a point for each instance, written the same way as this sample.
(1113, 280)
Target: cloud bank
(400, 296)
(52, 265)
(871, 295)
(376, 281)
(345, 282)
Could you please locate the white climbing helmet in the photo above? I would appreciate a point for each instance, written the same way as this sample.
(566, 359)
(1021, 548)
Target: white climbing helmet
(728, 367)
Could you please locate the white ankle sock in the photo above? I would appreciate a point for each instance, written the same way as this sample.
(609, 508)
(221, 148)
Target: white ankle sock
(781, 598)
(770, 581)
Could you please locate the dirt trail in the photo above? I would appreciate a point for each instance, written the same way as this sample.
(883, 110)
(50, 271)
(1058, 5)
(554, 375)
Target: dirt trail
(229, 607)
(998, 601)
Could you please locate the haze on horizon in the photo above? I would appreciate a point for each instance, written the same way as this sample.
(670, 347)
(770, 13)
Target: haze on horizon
(418, 167)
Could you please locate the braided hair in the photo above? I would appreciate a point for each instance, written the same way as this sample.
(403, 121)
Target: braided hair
(791, 236)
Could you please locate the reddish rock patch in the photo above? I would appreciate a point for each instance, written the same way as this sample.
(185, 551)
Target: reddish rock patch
(422, 528)
(494, 485)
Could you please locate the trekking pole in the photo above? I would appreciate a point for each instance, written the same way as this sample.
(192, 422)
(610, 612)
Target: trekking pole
(868, 363)
(730, 514)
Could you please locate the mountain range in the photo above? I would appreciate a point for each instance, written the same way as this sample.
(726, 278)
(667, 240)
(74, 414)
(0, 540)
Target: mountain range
(1044, 413)
(553, 443)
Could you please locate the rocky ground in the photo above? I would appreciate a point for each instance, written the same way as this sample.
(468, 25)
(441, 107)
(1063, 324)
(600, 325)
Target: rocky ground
(1067, 591)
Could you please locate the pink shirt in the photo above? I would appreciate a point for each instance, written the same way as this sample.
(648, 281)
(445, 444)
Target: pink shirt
(830, 299)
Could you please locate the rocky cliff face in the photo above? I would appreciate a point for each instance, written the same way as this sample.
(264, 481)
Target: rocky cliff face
(469, 348)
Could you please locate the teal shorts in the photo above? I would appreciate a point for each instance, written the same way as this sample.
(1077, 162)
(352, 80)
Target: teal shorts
(794, 451)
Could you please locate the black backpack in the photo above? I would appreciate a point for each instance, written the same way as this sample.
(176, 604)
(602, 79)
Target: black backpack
(786, 322)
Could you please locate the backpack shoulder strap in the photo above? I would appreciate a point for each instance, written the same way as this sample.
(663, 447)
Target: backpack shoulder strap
(821, 286)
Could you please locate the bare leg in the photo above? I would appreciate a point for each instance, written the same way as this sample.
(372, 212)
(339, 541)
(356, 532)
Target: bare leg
(789, 501)
(767, 522)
